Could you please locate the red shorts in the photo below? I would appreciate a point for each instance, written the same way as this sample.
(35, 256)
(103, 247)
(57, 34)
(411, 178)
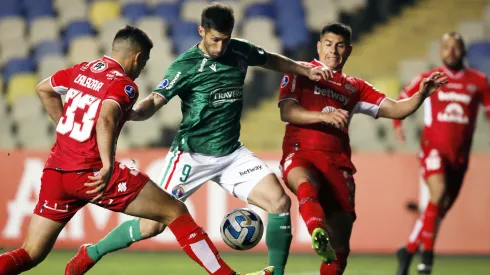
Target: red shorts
(63, 192)
(337, 191)
(433, 162)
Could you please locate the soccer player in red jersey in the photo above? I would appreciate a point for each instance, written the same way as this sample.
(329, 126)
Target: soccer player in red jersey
(81, 168)
(449, 123)
(316, 162)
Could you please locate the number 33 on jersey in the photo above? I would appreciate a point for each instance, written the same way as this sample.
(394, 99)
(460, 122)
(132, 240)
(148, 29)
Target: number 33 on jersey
(86, 86)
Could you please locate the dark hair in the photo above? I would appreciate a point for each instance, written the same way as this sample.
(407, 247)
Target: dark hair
(218, 17)
(136, 37)
(338, 29)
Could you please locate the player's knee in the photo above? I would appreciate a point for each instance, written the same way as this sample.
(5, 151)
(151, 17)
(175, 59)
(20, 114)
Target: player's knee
(171, 212)
(280, 203)
(149, 228)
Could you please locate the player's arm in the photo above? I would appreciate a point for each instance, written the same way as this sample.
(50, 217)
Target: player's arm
(401, 109)
(280, 63)
(51, 100)
(146, 108)
(294, 113)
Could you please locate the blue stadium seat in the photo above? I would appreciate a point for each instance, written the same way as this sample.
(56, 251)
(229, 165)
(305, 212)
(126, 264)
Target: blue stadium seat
(478, 52)
(260, 10)
(135, 11)
(18, 65)
(77, 28)
(10, 8)
(183, 43)
(184, 28)
(47, 48)
(295, 36)
(170, 12)
(38, 8)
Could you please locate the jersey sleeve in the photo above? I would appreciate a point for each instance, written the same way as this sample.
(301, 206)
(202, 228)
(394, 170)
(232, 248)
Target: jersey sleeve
(124, 93)
(289, 88)
(174, 81)
(408, 92)
(256, 56)
(370, 99)
(60, 81)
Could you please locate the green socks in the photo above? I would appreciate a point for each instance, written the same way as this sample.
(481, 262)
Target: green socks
(278, 240)
(120, 237)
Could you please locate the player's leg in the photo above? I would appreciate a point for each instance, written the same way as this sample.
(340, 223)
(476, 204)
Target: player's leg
(341, 225)
(303, 180)
(249, 179)
(41, 236)
(155, 204)
(136, 230)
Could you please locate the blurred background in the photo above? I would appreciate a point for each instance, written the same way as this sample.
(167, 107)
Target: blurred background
(394, 41)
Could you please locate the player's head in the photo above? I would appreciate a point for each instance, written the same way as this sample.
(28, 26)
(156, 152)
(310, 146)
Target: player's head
(131, 47)
(334, 46)
(217, 22)
(453, 50)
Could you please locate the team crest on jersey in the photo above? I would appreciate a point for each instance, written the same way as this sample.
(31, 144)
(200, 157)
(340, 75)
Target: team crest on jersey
(98, 67)
(163, 84)
(471, 88)
(285, 81)
(178, 191)
(130, 91)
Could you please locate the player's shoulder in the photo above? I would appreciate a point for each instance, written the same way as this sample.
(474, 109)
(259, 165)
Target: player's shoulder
(477, 74)
(187, 59)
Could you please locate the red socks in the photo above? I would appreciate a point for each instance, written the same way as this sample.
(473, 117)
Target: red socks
(15, 262)
(424, 230)
(337, 267)
(197, 245)
(309, 207)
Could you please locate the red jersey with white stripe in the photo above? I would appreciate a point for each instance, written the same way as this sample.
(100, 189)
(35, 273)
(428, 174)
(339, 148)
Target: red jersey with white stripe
(450, 114)
(86, 86)
(342, 92)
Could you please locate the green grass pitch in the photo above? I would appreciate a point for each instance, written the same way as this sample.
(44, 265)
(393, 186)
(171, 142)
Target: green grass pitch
(132, 263)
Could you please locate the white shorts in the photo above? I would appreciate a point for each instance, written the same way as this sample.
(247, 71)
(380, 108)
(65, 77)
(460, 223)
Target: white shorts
(238, 173)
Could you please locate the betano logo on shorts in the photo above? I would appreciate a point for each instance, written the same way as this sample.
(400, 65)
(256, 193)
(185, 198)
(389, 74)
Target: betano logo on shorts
(225, 95)
(332, 94)
(251, 170)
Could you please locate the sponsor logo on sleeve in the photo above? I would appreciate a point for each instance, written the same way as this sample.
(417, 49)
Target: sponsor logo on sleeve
(172, 83)
(285, 81)
(163, 84)
(130, 91)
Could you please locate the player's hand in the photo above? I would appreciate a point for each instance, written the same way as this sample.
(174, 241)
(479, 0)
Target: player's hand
(400, 134)
(429, 85)
(338, 118)
(99, 182)
(319, 73)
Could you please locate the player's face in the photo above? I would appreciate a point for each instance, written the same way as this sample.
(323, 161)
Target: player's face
(452, 51)
(333, 51)
(214, 42)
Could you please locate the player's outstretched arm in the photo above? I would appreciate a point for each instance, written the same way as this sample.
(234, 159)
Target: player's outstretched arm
(403, 108)
(145, 109)
(292, 112)
(280, 63)
(50, 99)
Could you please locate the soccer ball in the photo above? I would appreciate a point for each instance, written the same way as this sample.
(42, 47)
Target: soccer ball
(242, 229)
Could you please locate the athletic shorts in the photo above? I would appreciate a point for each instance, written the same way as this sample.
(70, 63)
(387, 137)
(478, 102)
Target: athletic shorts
(63, 192)
(185, 172)
(432, 162)
(337, 190)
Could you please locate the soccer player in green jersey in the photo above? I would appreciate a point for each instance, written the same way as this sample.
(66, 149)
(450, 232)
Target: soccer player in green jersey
(209, 80)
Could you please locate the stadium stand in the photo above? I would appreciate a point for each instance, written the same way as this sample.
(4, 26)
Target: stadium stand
(42, 36)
